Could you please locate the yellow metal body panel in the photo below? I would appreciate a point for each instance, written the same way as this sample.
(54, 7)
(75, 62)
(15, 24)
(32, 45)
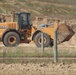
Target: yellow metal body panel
(50, 30)
(47, 30)
(7, 25)
(1, 32)
(14, 25)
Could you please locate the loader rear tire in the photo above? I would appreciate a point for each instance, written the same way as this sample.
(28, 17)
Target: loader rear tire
(11, 39)
(37, 40)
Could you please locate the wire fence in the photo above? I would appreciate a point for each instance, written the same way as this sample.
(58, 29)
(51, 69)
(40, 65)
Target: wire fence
(29, 53)
(34, 52)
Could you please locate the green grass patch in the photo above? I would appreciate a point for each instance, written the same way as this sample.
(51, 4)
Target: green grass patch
(26, 54)
(22, 0)
(41, 7)
(22, 52)
(60, 1)
(2, 1)
(7, 61)
(17, 4)
(25, 61)
(36, 52)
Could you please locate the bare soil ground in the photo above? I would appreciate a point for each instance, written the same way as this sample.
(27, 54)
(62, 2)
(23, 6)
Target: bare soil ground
(38, 69)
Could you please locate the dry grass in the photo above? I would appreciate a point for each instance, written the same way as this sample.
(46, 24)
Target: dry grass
(40, 7)
(23, 52)
(37, 52)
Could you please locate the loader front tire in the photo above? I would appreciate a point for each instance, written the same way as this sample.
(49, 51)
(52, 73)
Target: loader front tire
(11, 39)
(37, 40)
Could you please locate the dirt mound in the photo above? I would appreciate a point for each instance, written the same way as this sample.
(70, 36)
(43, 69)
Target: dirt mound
(72, 41)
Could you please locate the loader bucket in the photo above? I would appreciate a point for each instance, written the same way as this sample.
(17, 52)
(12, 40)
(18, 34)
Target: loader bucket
(64, 33)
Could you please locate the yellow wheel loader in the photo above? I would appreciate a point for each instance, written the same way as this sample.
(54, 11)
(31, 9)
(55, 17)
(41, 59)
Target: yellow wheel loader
(21, 30)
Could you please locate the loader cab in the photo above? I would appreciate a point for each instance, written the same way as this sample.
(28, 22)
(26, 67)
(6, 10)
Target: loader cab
(23, 20)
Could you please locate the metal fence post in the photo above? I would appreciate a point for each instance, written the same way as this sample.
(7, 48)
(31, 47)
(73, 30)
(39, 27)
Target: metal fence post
(42, 42)
(55, 47)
